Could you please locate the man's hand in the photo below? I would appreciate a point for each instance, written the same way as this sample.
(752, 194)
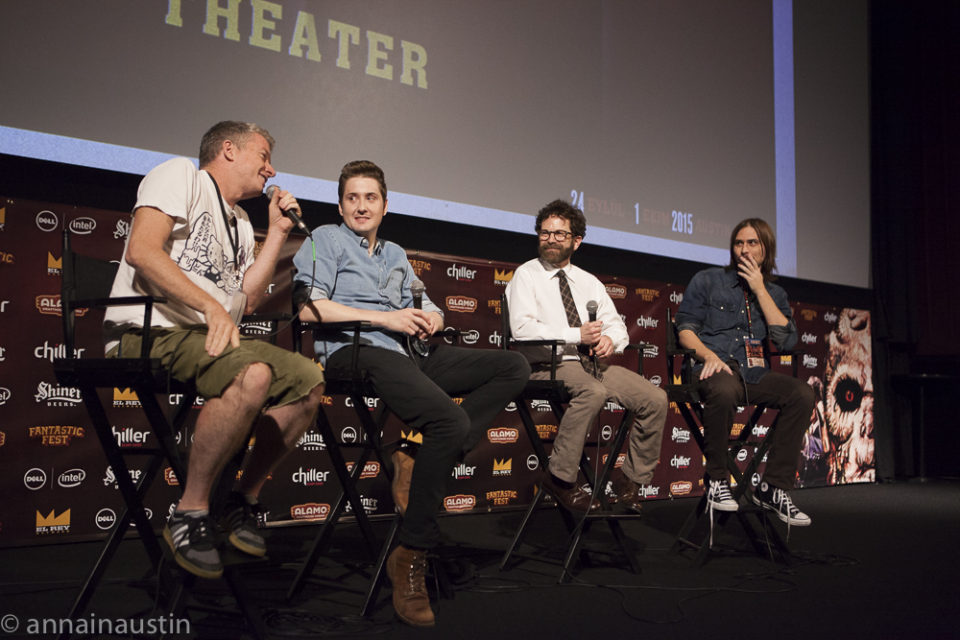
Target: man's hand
(713, 365)
(749, 270)
(221, 330)
(280, 202)
(590, 332)
(413, 322)
(603, 348)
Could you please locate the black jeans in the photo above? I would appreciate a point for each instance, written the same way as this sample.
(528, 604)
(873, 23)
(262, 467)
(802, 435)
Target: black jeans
(722, 393)
(418, 391)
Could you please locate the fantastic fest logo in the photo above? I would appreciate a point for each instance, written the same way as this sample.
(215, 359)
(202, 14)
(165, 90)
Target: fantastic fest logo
(501, 497)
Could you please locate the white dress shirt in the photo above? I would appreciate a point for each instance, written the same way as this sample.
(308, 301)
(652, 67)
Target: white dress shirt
(537, 313)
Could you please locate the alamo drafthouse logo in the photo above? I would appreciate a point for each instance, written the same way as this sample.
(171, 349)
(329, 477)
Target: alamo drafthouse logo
(461, 304)
(503, 435)
(49, 305)
(52, 523)
(459, 502)
(616, 291)
(681, 488)
(310, 511)
(371, 469)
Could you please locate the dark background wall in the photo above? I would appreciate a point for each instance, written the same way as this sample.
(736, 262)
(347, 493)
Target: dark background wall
(915, 108)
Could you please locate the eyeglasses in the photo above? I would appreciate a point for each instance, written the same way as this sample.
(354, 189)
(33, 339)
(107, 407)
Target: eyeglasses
(559, 235)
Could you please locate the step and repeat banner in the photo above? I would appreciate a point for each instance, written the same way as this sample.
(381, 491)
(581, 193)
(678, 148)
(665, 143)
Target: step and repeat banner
(58, 486)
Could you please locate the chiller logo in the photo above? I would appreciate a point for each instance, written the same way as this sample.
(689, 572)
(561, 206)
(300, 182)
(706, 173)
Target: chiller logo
(760, 431)
(676, 297)
(310, 477)
(46, 351)
(502, 497)
(310, 511)
(83, 226)
(503, 435)
(613, 407)
(47, 221)
(808, 338)
(649, 491)
(681, 487)
(829, 317)
(35, 479)
(459, 502)
(461, 273)
(502, 468)
(646, 322)
(461, 304)
(616, 291)
(463, 471)
(52, 523)
(501, 278)
(129, 437)
(680, 462)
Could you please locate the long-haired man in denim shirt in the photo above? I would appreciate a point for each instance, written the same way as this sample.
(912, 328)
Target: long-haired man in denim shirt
(726, 314)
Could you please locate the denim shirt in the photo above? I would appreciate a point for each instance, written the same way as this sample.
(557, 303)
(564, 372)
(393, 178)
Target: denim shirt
(343, 270)
(713, 307)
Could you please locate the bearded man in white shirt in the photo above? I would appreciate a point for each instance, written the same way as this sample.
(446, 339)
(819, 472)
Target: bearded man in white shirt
(547, 299)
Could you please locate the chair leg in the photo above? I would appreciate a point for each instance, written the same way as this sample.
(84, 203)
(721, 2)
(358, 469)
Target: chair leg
(521, 530)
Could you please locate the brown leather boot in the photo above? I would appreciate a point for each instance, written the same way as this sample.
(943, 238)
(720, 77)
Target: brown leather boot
(406, 569)
(402, 472)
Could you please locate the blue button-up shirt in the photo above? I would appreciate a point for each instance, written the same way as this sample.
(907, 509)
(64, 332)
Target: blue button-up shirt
(714, 308)
(340, 268)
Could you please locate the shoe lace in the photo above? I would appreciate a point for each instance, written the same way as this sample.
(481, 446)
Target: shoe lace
(417, 574)
(200, 530)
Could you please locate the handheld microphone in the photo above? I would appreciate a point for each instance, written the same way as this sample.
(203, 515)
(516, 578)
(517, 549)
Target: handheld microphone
(592, 310)
(293, 214)
(416, 290)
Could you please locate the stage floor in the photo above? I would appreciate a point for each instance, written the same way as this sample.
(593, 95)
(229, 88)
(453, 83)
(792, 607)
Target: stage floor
(880, 561)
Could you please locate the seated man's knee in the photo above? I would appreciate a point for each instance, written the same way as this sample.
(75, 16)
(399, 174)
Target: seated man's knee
(253, 383)
(721, 388)
(592, 395)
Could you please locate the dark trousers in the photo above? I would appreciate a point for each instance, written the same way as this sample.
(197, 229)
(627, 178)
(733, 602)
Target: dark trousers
(418, 390)
(722, 393)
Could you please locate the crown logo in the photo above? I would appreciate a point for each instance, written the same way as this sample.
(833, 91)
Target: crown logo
(52, 520)
(411, 436)
(54, 263)
(125, 395)
(502, 465)
(502, 276)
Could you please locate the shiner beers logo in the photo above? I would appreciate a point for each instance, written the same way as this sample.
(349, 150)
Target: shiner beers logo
(459, 502)
(503, 435)
(461, 304)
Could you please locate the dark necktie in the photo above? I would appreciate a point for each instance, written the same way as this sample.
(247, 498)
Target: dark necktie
(573, 319)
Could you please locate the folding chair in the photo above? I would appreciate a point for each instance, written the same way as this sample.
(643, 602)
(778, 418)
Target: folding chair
(554, 392)
(355, 386)
(86, 283)
(755, 521)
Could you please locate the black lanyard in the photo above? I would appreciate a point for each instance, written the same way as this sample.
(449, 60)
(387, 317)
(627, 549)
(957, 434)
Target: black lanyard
(234, 237)
(746, 301)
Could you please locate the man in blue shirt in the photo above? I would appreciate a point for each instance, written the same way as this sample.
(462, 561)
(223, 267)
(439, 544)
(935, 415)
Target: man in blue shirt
(725, 315)
(352, 275)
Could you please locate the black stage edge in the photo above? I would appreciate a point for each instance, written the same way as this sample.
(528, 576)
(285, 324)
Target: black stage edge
(879, 562)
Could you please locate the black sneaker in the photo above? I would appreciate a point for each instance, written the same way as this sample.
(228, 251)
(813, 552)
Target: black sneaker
(241, 521)
(193, 540)
(719, 496)
(778, 501)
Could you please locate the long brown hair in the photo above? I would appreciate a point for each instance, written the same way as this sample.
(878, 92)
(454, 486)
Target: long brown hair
(767, 239)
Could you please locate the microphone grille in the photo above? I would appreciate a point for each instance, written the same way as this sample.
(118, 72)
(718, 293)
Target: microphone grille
(592, 306)
(270, 189)
(417, 288)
